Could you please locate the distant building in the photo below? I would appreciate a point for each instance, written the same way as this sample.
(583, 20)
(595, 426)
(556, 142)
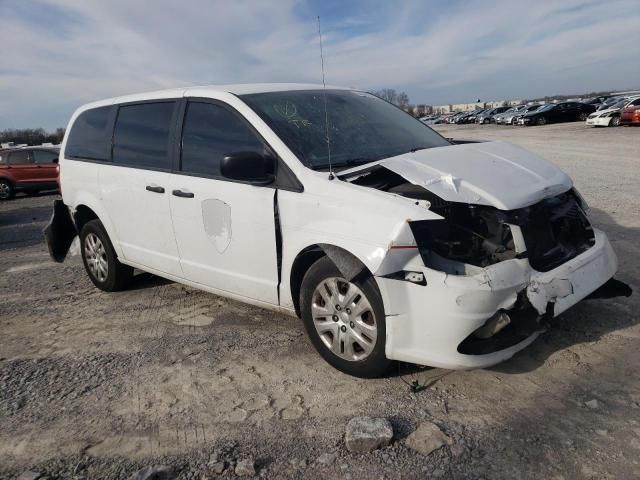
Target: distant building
(465, 107)
(442, 109)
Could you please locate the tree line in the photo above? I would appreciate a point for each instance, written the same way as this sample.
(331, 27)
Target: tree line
(31, 136)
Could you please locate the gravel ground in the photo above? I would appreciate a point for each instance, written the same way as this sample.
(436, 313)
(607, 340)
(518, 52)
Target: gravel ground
(96, 385)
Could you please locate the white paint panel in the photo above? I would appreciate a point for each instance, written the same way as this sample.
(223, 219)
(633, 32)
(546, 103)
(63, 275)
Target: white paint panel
(226, 236)
(141, 219)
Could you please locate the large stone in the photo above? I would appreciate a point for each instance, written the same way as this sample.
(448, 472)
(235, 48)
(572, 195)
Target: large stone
(427, 438)
(156, 472)
(246, 467)
(29, 475)
(365, 434)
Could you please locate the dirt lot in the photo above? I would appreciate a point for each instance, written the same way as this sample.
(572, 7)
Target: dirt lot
(96, 385)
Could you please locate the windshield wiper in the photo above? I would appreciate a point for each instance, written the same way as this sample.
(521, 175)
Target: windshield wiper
(415, 149)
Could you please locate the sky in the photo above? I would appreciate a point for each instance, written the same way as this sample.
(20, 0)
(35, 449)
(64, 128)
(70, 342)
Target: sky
(58, 54)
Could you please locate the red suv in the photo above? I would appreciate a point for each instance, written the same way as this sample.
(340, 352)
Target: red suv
(630, 114)
(28, 169)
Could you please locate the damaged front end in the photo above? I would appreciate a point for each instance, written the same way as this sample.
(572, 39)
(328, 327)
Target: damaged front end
(494, 277)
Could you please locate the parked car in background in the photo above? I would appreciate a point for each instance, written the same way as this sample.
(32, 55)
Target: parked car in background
(515, 120)
(471, 118)
(610, 117)
(454, 118)
(398, 245)
(630, 114)
(501, 118)
(487, 115)
(558, 112)
(28, 169)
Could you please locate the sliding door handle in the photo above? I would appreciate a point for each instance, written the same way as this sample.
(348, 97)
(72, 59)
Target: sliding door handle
(155, 189)
(182, 194)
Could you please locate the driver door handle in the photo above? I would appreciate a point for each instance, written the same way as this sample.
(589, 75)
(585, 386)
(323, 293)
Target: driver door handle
(155, 189)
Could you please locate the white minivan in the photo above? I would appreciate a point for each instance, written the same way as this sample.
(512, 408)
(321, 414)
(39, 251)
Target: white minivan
(390, 241)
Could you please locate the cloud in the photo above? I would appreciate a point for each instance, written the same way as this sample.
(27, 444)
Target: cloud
(58, 54)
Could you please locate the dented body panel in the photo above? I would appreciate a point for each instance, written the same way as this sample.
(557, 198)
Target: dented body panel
(444, 231)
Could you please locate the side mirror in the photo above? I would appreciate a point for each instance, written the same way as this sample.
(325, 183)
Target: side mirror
(250, 167)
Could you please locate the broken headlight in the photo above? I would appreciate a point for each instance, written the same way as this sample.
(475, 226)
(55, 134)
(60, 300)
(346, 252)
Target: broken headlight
(468, 234)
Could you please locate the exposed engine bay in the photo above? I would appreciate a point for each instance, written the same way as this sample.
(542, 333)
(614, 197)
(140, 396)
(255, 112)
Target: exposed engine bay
(555, 229)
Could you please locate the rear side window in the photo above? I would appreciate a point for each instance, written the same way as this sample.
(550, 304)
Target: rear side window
(141, 135)
(19, 157)
(211, 132)
(90, 135)
(44, 156)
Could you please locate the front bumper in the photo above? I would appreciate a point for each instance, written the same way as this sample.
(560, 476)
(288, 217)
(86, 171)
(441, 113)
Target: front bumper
(598, 121)
(427, 324)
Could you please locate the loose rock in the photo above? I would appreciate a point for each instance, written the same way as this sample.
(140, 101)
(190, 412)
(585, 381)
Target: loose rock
(592, 403)
(156, 472)
(365, 434)
(246, 467)
(29, 475)
(298, 462)
(427, 438)
(327, 458)
(217, 467)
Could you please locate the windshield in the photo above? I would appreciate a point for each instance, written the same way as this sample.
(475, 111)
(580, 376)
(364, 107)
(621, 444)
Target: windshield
(619, 104)
(544, 108)
(362, 127)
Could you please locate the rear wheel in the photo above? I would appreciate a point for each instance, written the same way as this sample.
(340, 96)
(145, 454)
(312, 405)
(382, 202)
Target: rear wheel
(344, 320)
(100, 259)
(582, 116)
(6, 190)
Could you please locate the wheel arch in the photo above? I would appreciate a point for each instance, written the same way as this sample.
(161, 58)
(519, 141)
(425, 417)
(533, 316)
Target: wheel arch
(349, 265)
(86, 207)
(82, 215)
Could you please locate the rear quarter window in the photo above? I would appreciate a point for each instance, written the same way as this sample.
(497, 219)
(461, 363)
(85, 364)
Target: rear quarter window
(90, 135)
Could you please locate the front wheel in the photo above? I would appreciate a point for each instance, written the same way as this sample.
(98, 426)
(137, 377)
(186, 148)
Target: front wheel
(6, 190)
(344, 320)
(615, 121)
(100, 259)
(541, 121)
(582, 117)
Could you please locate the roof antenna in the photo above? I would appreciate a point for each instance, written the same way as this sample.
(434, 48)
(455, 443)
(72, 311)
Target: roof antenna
(324, 93)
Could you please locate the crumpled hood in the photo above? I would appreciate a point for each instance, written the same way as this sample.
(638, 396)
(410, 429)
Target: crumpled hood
(498, 174)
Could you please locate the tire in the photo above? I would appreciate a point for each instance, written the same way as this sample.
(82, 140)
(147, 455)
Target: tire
(615, 121)
(7, 192)
(100, 259)
(541, 121)
(351, 342)
(582, 117)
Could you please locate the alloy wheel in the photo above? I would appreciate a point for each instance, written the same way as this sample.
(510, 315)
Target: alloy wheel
(344, 319)
(5, 191)
(96, 257)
